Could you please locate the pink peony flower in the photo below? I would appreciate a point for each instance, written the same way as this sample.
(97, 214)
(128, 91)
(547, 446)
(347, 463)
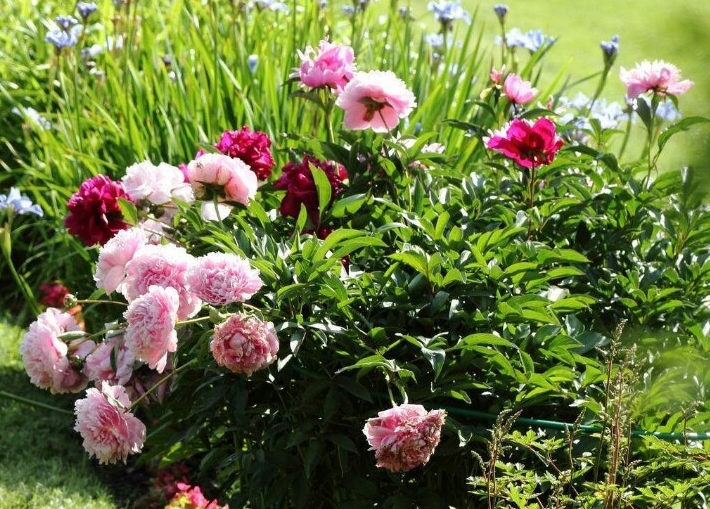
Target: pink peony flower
(222, 278)
(252, 148)
(163, 265)
(517, 90)
(109, 430)
(113, 257)
(111, 361)
(496, 76)
(150, 334)
(48, 359)
(157, 184)
(244, 344)
(227, 178)
(375, 99)
(658, 77)
(297, 180)
(94, 215)
(404, 437)
(528, 144)
(331, 66)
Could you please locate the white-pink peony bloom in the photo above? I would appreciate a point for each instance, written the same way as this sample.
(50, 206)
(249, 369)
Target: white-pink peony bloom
(221, 278)
(517, 90)
(375, 100)
(109, 430)
(230, 178)
(405, 436)
(48, 359)
(331, 66)
(111, 361)
(164, 265)
(113, 257)
(244, 344)
(159, 184)
(658, 76)
(150, 334)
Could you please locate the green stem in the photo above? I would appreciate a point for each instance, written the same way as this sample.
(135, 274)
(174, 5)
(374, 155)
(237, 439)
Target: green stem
(162, 381)
(34, 403)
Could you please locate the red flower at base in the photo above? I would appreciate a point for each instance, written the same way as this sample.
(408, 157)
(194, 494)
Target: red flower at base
(252, 147)
(297, 180)
(94, 214)
(528, 144)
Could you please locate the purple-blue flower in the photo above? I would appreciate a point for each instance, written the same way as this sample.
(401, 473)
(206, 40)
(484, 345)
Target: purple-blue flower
(531, 40)
(501, 10)
(610, 49)
(448, 12)
(86, 9)
(252, 62)
(21, 204)
(66, 22)
(61, 39)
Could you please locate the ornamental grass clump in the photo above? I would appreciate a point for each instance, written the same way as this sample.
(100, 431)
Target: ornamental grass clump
(328, 307)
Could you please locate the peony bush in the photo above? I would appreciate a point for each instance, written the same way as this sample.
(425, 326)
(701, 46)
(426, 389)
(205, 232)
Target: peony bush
(362, 309)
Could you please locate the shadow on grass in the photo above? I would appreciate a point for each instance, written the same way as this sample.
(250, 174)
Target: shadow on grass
(42, 460)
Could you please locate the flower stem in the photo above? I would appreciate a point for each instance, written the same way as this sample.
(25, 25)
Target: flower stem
(162, 381)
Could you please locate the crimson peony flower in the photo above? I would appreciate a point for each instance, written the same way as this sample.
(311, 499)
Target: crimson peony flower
(375, 99)
(252, 147)
(94, 215)
(244, 344)
(528, 144)
(297, 180)
(109, 430)
(404, 437)
(331, 66)
(53, 294)
(658, 76)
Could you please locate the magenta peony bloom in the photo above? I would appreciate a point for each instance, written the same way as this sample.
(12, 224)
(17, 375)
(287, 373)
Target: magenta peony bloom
(517, 90)
(150, 334)
(109, 430)
(111, 361)
(244, 344)
(331, 66)
(528, 144)
(658, 77)
(251, 147)
(94, 215)
(375, 99)
(113, 257)
(404, 437)
(53, 294)
(222, 278)
(297, 180)
(161, 265)
(156, 184)
(48, 359)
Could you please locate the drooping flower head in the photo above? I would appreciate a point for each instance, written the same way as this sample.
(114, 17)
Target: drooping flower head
(48, 359)
(251, 147)
(528, 144)
(375, 100)
(111, 361)
(297, 180)
(658, 77)
(331, 66)
(165, 266)
(517, 90)
(94, 215)
(109, 430)
(404, 437)
(222, 278)
(113, 257)
(150, 334)
(244, 344)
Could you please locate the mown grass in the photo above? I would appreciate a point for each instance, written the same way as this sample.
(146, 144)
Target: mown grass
(42, 463)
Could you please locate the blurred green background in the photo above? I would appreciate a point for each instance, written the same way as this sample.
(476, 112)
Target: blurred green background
(677, 32)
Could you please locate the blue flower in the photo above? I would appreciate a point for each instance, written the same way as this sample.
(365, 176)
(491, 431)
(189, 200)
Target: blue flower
(33, 115)
(21, 204)
(436, 40)
(448, 12)
(252, 62)
(86, 9)
(532, 40)
(61, 39)
(66, 22)
(272, 5)
(500, 10)
(610, 49)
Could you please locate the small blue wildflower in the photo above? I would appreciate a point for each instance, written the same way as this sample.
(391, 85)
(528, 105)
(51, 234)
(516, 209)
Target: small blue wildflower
(86, 9)
(404, 12)
(501, 10)
(667, 111)
(448, 12)
(272, 5)
(21, 204)
(66, 22)
(532, 40)
(35, 116)
(435, 40)
(348, 10)
(252, 62)
(322, 4)
(610, 50)
(61, 39)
